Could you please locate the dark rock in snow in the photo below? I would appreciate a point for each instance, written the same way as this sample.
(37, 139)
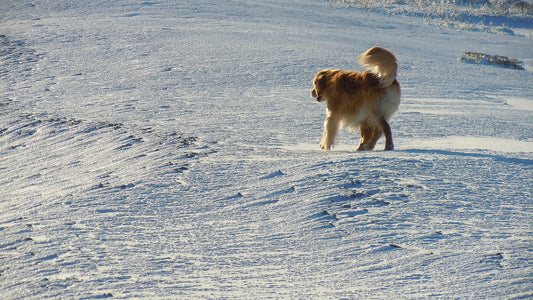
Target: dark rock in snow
(494, 60)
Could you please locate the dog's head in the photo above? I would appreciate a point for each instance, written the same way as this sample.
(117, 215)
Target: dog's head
(320, 84)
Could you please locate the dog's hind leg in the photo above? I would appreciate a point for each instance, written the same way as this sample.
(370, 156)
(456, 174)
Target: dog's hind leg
(331, 125)
(375, 137)
(370, 134)
(389, 145)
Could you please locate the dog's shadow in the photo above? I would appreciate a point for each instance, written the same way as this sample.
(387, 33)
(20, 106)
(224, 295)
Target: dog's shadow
(511, 160)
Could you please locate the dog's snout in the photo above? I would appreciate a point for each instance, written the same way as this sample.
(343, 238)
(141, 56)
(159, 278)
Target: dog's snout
(316, 95)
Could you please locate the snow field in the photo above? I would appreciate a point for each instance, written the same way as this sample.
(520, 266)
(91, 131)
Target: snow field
(161, 149)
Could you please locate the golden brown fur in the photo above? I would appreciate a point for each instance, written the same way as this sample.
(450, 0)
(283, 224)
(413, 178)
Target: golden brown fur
(365, 100)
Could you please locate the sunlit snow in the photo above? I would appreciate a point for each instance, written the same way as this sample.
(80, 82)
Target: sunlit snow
(170, 149)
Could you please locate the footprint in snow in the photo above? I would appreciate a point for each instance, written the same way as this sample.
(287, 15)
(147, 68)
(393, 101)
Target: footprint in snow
(261, 203)
(48, 257)
(354, 183)
(352, 213)
(380, 202)
(494, 259)
(284, 191)
(236, 196)
(272, 175)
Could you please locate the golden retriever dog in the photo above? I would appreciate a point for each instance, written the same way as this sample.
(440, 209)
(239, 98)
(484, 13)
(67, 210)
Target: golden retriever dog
(360, 100)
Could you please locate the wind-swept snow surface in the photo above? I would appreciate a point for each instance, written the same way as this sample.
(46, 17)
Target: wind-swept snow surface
(164, 149)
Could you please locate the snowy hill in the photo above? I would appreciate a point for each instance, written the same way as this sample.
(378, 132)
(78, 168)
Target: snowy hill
(505, 16)
(170, 150)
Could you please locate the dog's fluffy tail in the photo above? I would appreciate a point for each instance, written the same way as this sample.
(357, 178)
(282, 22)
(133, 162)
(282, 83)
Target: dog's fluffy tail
(380, 62)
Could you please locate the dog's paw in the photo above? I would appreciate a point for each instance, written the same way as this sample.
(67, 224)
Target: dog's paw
(389, 147)
(325, 146)
(363, 147)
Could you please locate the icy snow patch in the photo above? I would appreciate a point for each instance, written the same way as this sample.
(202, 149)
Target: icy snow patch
(520, 103)
(528, 65)
(315, 147)
(475, 143)
(526, 32)
(446, 143)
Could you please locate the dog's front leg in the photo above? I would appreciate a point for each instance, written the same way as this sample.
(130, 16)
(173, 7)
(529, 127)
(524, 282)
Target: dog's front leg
(331, 126)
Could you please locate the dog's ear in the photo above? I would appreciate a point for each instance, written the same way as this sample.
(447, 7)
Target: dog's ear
(318, 77)
(321, 78)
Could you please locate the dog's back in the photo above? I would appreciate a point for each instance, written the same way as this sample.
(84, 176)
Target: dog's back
(361, 96)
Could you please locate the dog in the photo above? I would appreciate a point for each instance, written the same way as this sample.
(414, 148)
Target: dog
(363, 100)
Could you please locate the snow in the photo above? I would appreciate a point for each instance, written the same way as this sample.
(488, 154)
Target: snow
(170, 150)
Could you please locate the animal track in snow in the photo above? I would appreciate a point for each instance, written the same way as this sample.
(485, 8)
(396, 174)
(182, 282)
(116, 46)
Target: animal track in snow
(356, 198)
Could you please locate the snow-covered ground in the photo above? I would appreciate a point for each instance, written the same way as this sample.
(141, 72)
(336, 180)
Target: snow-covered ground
(166, 149)
(504, 16)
